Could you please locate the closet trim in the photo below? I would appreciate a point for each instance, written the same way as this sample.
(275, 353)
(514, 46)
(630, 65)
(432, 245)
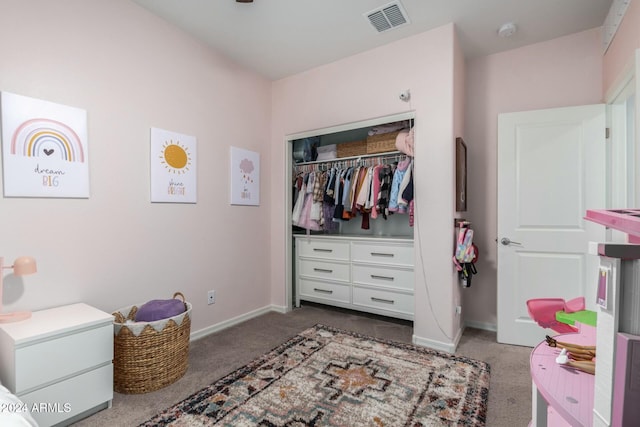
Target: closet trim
(408, 115)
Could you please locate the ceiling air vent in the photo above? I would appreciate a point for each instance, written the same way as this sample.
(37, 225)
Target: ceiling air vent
(389, 16)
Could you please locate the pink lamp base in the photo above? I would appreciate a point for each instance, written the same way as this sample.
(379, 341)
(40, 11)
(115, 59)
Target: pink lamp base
(14, 317)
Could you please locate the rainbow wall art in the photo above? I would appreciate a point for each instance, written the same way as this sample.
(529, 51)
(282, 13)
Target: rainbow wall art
(47, 138)
(173, 167)
(44, 148)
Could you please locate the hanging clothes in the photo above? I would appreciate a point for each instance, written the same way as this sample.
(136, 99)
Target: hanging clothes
(375, 190)
(337, 215)
(317, 192)
(386, 175)
(407, 180)
(398, 178)
(329, 194)
(362, 198)
(305, 220)
(369, 188)
(328, 201)
(361, 173)
(297, 208)
(351, 180)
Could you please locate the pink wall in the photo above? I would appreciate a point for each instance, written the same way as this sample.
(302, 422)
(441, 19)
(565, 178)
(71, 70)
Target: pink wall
(366, 86)
(622, 48)
(131, 71)
(562, 72)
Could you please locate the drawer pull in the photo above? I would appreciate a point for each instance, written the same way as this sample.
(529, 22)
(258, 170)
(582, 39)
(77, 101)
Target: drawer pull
(386, 301)
(373, 276)
(382, 254)
(322, 250)
(324, 291)
(323, 270)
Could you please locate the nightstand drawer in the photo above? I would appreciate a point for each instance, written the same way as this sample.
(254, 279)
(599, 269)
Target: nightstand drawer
(383, 300)
(325, 291)
(47, 361)
(71, 397)
(392, 254)
(383, 276)
(323, 249)
(324, 270)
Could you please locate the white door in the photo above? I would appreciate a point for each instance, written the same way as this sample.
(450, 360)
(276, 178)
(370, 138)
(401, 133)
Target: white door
(551, 169)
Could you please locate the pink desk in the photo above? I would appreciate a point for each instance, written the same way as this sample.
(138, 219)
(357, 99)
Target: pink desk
(567, 391)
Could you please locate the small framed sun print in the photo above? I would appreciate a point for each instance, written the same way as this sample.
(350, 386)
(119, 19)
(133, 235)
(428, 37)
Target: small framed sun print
(173, 167)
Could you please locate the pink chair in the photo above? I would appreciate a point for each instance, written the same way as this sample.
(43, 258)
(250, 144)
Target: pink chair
(543, 312)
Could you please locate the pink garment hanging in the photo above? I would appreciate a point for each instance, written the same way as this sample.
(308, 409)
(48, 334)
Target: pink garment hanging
(305, 215)
(297, 208)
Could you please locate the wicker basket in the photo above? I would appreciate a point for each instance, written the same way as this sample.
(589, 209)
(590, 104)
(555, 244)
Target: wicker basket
(148, 356)
(382, 143)
(353, 148)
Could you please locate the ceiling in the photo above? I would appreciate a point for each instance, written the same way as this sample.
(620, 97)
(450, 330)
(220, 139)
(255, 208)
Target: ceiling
(279, 38)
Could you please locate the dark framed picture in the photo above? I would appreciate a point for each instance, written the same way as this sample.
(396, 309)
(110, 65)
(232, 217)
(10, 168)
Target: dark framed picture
(461, 175)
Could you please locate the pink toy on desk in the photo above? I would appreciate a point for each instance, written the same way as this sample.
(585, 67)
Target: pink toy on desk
(543, 312)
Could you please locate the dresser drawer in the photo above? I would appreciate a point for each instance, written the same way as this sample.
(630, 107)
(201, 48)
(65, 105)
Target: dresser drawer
(383, 300)
(383, 253)
(324, 270)
(60, 401)
(325, 291)
(42, 362)
(387, 277)
(327, 249)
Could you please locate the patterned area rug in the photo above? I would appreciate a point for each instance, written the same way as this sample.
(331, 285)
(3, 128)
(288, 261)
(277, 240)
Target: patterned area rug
(329, 377)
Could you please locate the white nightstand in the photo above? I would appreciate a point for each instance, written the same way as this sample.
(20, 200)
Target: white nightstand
(59, 362)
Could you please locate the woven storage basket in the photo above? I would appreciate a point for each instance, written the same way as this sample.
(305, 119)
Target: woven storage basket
(382, 143)
(148, 356)
(353, 148)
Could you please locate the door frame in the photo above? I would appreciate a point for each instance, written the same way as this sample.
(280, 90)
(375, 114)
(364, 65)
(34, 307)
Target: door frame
(623, 152)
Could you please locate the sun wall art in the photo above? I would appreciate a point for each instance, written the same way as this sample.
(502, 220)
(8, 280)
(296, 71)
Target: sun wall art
(173, 167)
(245, 177)
(44, 148)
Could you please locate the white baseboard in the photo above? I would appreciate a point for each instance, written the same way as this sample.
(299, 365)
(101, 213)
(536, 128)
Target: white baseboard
(449, 347)
(280, 308)
(481, 325)
(236, 320)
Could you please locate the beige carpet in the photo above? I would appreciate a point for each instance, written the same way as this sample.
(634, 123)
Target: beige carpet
(219, 354)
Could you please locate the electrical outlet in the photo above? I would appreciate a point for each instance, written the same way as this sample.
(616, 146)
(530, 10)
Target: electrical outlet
(458, 309)
(211, 297)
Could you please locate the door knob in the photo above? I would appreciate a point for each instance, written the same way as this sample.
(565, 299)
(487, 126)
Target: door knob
(506, 241)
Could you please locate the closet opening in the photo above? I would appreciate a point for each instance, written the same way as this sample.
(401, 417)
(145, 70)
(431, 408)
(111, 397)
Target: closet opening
(349, 217)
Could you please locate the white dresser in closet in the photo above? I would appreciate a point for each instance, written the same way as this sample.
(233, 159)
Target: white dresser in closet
(368, 274)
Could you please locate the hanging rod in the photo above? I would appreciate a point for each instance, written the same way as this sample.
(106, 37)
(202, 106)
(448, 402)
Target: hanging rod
(360, 157)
